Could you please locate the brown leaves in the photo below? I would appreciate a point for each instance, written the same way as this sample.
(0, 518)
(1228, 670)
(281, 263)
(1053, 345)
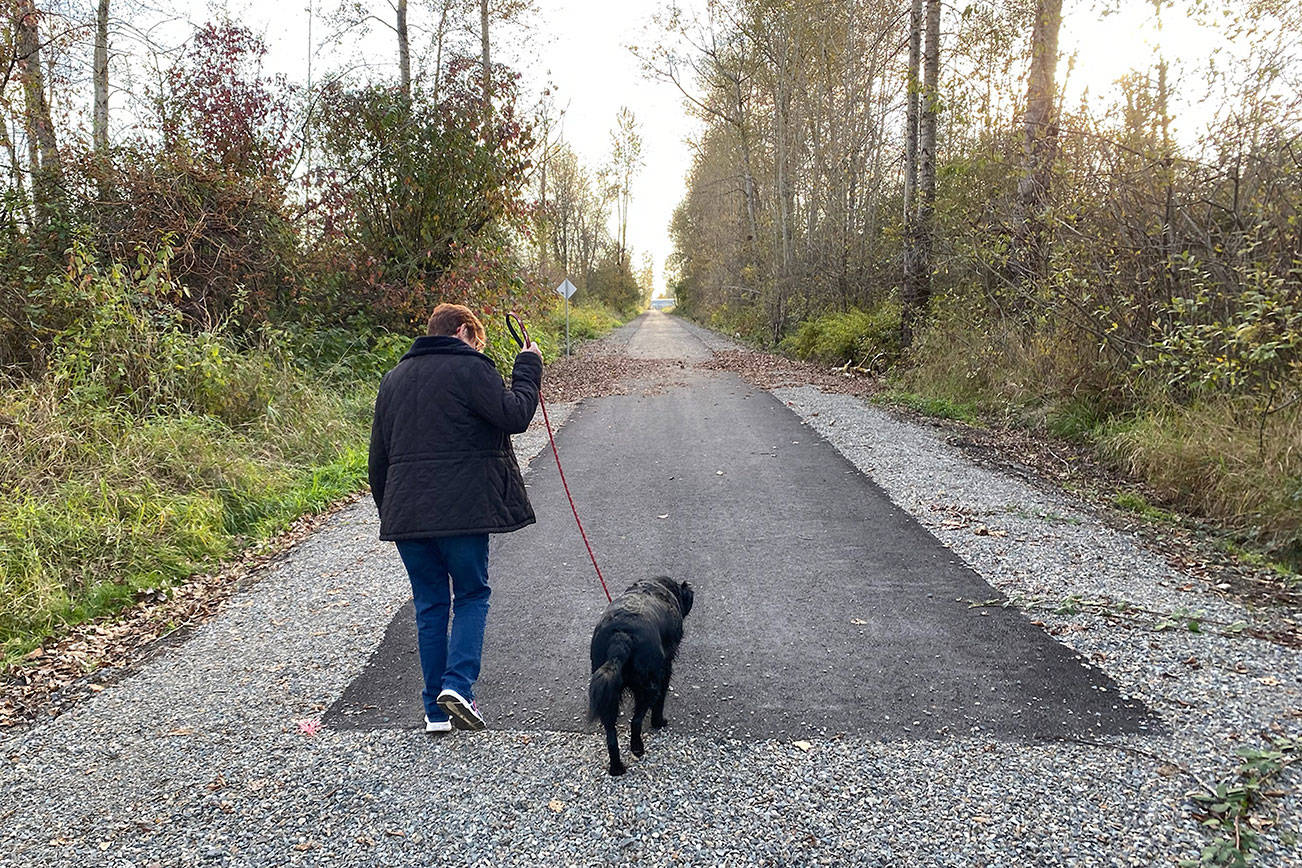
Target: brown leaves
(770, 371)
(592, 374)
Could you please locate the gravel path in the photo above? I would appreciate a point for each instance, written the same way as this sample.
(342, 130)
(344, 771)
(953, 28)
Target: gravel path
(206, 755)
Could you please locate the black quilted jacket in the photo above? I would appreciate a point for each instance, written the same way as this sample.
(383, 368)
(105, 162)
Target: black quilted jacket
(441, 461)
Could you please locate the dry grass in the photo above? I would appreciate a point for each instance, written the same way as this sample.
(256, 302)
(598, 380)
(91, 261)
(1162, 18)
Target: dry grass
(1206, 458)
(1210, 458)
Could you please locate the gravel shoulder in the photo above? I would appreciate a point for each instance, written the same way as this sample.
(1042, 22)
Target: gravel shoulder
(209, 754)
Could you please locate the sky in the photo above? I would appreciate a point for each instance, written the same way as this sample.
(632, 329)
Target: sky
(581, 48)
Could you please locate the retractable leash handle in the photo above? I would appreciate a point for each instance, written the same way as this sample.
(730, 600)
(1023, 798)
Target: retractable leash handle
(521, 337)
(512, 320)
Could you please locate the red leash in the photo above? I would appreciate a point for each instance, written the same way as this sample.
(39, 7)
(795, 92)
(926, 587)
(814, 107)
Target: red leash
(547, 422)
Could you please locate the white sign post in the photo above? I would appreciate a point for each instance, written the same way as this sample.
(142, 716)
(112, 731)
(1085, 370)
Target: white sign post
(567, 289)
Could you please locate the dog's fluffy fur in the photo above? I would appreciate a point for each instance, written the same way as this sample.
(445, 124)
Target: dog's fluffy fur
(633, 648)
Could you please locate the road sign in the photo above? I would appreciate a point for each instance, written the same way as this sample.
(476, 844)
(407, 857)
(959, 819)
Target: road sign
(566, 289)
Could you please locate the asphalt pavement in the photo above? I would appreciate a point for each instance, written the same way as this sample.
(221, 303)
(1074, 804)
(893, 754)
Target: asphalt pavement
(821, 607)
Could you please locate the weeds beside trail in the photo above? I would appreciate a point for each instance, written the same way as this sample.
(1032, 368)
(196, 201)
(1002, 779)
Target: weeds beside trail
(148, 450)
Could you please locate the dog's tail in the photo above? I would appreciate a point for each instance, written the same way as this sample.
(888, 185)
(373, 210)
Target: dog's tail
(608, 679)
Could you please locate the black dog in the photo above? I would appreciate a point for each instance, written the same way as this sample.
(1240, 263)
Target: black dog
(633, 648)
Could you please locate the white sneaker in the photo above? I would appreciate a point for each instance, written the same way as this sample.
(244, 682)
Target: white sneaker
(437, 725)
(462, 711)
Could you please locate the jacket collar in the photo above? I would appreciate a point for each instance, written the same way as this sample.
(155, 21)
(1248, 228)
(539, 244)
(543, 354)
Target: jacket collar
(441, 345)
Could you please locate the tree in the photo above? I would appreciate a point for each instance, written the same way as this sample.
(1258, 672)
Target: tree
(912, 251)
(486, 70)
(404, 49)
(1029, 261)
(917, 285)
(101, 76)
(625, 160)
(43, 150)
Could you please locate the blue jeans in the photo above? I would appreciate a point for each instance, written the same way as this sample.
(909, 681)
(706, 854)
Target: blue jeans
(448, 661)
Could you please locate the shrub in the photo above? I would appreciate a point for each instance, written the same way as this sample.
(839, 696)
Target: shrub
(868, 338)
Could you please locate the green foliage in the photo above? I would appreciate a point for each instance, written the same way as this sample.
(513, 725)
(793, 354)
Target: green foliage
(587, 322)
(1228, 808)
(419, 208)
(613, 285)
(938, 407)
(1211, 341)
(1206, 458)
(148, 451)
(866, 338)
(1131, 501)
(1075, 417)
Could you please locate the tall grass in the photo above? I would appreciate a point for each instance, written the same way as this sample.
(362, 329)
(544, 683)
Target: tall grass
(1213, 456)
(149, 450)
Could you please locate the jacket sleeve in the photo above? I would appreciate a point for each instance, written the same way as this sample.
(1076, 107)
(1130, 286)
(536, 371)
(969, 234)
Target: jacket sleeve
(511, 409)
(377, 460)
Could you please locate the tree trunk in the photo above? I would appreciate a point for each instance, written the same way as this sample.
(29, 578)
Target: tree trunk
(919, 153)
(101, 76)
(782, 182)
(404, 50)
(1029, 262)
(16, 172)
(46, 169)
(438, 48)
(487, 66)
(911, 119)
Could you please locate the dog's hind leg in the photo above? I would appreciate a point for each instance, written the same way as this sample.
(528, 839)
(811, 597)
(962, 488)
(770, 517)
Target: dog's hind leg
(642, 703)
(612, 747)
(658, 704)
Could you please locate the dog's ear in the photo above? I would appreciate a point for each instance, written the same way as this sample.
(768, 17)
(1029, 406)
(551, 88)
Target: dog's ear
(685, 597)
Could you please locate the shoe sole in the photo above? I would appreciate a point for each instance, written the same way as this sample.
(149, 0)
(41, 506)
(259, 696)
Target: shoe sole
(462, 716)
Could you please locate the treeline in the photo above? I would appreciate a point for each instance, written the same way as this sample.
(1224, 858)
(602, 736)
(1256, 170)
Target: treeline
(899, 184)
(205, 268)
(348, 199)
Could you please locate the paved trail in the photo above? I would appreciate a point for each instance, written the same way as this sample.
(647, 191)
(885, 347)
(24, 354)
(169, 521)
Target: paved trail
(839, 700)
(822, 607)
